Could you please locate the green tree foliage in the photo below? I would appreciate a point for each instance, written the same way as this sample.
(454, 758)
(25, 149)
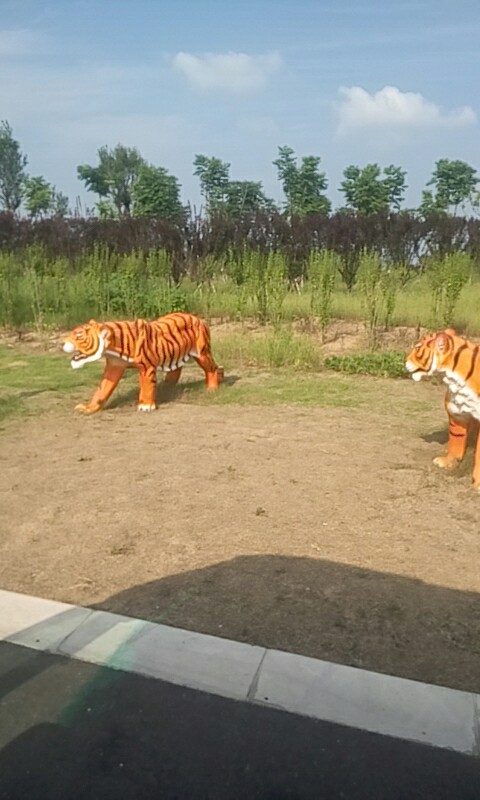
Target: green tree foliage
(303, 185)
(156, 194)
(454, 184)
(214, 179)
(222, 195)
(366, 192)
(243, 197)
(12, 169)
(59, 205)
(113, 178)
(38, 196)
(42, 200)
(106, 209)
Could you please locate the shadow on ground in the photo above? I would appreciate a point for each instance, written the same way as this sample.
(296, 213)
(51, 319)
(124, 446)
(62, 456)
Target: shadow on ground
(165, 393)
(322, 609)
(436, 437)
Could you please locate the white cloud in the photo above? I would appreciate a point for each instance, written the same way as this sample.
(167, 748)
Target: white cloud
(236, 72)
(394, 109)
(20, 42)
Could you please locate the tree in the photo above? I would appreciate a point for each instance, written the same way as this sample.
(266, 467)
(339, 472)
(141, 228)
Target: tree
(106, 209)
(115, 175)
(366, 192)
(395, 186)
(244, 197)
(286, 165)
(157, 194)
(38, 195)
(214, 178)
(42, 199)
(12, 169)
(59, 204)
(454, 183)
(428, 205)
(303, 185)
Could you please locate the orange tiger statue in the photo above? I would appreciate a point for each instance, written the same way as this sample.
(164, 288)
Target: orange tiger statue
(164, 344)
(457, 361)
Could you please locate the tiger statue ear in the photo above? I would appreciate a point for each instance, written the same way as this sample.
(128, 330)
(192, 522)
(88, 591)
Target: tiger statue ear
(450, 331)
(443, 341)
(92, 322)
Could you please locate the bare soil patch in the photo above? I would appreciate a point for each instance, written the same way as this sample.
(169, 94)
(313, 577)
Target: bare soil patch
(325, 532)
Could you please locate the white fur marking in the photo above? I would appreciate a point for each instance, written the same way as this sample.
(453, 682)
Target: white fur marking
(101, 347)
(117, 355)
(462, 400)
(68, 347)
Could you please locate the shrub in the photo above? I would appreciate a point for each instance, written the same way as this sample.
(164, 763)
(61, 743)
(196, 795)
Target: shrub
(390, 364)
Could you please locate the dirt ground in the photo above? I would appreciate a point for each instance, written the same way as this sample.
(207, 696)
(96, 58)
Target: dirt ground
(326, 532)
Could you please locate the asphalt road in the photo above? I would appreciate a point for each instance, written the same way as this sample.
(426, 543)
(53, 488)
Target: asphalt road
(73, 731)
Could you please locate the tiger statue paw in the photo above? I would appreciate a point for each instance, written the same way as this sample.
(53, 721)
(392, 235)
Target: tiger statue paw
(446, 462)
(87, 409)
(146, 407)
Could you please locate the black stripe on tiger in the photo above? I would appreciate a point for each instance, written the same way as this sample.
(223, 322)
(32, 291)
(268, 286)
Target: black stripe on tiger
(473, 364)
(178, 340)
(457, 356)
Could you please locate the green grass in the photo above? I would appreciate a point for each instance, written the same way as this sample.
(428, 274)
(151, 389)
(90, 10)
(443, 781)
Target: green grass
(29, 379)
(268, 348)
(33, 381)
(50, 302)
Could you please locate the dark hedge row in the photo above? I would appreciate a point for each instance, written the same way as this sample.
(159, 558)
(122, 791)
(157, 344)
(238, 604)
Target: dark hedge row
(401, 238)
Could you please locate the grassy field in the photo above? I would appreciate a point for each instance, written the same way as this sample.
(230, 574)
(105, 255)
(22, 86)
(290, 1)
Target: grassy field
(39, 293)
(270, 368)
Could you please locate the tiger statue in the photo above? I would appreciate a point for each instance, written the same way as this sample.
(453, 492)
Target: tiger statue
(164, 344)
(456, 360)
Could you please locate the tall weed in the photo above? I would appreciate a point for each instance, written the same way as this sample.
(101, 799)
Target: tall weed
(447, 277)
(322, 270)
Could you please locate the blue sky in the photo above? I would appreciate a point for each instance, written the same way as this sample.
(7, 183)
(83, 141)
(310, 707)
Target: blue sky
(353, 82)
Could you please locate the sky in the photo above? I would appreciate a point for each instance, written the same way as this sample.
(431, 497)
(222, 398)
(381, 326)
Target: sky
(354, 82)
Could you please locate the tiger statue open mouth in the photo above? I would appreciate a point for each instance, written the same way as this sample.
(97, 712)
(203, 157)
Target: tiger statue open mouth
(165, 344)
(86, 343)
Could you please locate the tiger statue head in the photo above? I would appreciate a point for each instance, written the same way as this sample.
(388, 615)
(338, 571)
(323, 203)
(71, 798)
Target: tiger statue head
(86, 342)
(433, 354)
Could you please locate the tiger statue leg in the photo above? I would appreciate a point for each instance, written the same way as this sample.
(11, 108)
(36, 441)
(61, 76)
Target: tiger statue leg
(204, 359)
(173, 377)
(476, 459)
(457, 444)
(111, 376)
(148, 383)
(213, 373)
